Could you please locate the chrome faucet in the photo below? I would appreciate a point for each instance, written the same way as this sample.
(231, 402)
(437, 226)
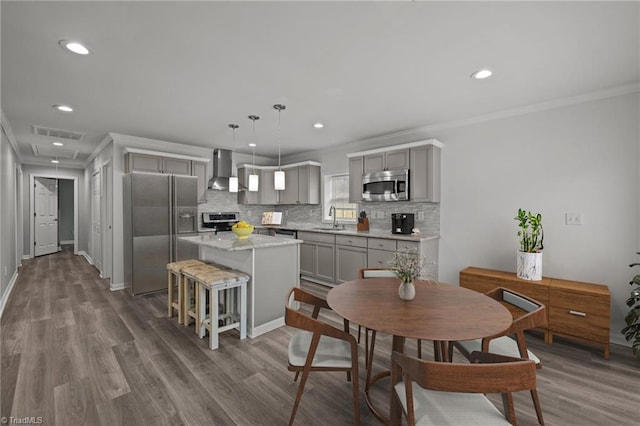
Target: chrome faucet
(333, 208)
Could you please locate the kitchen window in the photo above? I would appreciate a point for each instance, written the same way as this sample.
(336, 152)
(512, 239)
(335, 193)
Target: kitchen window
(336, 193)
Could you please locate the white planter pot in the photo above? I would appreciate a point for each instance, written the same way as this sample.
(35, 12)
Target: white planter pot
(529, 266)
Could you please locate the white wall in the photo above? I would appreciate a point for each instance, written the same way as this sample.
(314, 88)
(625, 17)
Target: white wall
(9, 234)
(582, 158)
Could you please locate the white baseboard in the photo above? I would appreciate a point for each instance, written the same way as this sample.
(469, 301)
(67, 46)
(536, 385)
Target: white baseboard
(619, 340)
(66, 242)
(7, 293)
(265, 328)
(26, 256)
(117, 286)
(86, 256)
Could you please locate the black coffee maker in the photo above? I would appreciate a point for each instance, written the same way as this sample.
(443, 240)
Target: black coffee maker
(401, 223)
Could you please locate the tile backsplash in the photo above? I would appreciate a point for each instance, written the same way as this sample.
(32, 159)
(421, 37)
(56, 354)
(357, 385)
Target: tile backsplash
(427, 215)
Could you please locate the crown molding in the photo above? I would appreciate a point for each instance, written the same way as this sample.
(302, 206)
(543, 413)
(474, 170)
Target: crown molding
(419, 132)
(4, 121)
(434, 142)
(103, 144)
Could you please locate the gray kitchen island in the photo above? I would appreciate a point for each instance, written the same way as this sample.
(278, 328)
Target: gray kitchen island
(272, 263)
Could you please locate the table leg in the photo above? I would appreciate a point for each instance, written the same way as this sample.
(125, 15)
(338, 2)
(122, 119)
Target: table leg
(214, 338)
(243, 311)
(201, 309)
(395, 410)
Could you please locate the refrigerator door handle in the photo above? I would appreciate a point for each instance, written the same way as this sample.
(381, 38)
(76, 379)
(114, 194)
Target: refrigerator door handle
(172, 212)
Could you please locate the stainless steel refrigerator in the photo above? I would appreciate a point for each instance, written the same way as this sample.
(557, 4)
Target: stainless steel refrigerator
(158, 209)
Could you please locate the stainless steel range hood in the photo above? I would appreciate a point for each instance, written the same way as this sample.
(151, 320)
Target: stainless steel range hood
(222, 159)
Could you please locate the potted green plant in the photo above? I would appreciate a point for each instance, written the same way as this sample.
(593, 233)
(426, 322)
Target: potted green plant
(529, 256)
(632, 330)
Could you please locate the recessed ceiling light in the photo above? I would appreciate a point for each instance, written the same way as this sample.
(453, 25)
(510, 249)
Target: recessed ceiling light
(480, 74)
(252, 145)
(55, 161)
(74, 47)
(318, 125)
(57, 143)
(63, 108)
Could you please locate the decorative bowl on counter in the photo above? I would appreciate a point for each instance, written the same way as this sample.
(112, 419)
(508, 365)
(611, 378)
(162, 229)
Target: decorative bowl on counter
(242, 230)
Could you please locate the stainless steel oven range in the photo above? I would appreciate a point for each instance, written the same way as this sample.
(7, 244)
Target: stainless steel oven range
(219, 221)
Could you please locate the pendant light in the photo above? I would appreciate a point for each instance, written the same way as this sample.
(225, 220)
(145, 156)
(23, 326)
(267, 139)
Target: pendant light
(233, 180)
(278, 176)
(253, 177)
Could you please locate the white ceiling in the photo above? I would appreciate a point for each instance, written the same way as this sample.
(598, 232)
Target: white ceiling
(182, 72)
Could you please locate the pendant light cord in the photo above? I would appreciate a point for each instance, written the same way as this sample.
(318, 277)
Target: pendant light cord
(279, 108)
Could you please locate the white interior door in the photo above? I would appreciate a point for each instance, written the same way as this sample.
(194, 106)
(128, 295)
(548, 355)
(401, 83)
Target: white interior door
(45, 207)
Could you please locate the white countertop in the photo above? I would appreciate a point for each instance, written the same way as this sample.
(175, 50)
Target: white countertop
(229, 242)
(353, 232)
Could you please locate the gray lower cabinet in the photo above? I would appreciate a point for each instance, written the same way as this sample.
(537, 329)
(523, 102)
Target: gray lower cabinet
(317, 256)
(334, 259)
(351, 256)
(379, 258)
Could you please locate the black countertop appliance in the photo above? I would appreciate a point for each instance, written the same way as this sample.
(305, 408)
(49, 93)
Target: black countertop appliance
(401, 223)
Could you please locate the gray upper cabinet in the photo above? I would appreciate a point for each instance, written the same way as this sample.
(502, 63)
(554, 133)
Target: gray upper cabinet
(157, 164)
(199, 170)
(424, 175)
(176, 166)
(356, 167)
(421, 158)
(389, 160)
(245, 196)
(302, 185)
(268, 193)
(290, 193)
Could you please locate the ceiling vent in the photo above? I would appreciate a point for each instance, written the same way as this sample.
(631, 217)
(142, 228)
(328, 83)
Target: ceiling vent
(54, 151)
(57, 133)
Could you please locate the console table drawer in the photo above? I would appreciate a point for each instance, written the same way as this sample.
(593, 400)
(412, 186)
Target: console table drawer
(578, 323)
(580, 314)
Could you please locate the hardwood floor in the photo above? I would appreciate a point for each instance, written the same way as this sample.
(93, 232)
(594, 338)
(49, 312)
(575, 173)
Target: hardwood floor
(73, 352)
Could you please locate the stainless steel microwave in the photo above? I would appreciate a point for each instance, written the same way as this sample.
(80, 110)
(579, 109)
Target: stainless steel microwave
(390, 185)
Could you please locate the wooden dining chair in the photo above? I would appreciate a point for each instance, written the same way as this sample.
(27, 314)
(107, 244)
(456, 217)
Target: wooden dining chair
(443, 393)
(527, 314)
(318, 346)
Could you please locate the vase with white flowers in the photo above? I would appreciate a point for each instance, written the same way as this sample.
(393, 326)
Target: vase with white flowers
(408, 265)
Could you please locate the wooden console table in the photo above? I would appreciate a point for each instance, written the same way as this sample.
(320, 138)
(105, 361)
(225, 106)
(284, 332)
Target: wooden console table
(576, 310)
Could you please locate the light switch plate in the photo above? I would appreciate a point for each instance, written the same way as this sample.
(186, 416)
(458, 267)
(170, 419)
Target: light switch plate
(573, 219)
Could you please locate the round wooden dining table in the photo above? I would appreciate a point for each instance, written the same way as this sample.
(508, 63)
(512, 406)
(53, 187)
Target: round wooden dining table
(439, 312)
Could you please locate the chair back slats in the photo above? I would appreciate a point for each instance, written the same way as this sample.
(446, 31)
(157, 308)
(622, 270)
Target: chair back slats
(501, 377)
(496, 374)
(515, 299)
